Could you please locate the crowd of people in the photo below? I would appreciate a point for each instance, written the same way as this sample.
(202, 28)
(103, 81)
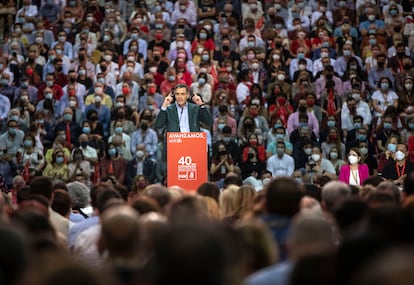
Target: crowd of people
(302, 92)
(296, 88)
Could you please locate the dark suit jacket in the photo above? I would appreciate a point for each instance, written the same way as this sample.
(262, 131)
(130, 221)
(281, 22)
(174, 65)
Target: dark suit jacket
(196, 114)
(131, 171)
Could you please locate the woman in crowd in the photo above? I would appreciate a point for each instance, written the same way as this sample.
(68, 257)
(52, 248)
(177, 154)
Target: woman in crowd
(355, 172)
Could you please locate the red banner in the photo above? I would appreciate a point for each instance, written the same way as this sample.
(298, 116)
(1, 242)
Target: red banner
(187, 160)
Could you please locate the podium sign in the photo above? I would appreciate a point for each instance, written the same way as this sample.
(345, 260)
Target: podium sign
(187, 159)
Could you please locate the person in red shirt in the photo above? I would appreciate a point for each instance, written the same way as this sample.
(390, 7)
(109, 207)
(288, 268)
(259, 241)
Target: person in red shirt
(170, 81)
(50, 83)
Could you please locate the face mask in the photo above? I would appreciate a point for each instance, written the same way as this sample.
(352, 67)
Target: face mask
(392, 147)
(49, 96)
(362, 137)
(250, 44)
(98, 99)
(347, 52)
(12, 131)
(399, 155)
(384, 85)
(101, 80)
(201, 81)
(139, 154)
(59, 160)
(82, 72)
(28, 143)
(387, 126)
(408, 86)
(134, 36)
(118, 130)
(280, 77)
(308, 150)
(280, 151)
(86, 130)
(49, 83)
(356, 96)
(255, 66)
(363, 150)
(72, 103)
(221, 126)
(266, 181)
(278, 26)
(303, 125)
(372, 42)
(108, 57)
(302, 67)
(125, 90)
(371, 17)
(316, 157)
(4, 82)
(280, 137)
(203, 36)
(171, 77)
(411, 126)
(67, 117)
(112, 151)
(180, 44)
(334, 155)
(301, 55)
(226, 139)
(106, 38)
(331, 124)
(78, 156)
(353, 159)
(84, 144)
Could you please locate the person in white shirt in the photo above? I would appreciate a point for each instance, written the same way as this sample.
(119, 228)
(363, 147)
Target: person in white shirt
(280, 164)
(352, 107)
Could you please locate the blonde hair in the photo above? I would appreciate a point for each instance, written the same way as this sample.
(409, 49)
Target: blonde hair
(236, 201)
(213, 210)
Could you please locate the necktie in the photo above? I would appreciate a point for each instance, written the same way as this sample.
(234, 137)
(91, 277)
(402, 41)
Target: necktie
(68, 134)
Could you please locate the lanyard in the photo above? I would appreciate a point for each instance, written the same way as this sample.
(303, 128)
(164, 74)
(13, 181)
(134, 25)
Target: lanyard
(398, 169)
(355, 175)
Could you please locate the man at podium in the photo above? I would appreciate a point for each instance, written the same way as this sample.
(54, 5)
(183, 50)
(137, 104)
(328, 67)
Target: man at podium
(178, 114)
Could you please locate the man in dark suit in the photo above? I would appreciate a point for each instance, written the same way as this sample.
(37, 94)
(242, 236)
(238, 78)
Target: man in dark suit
(183, 116)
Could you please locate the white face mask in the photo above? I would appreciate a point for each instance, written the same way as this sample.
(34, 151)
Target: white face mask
(266, 181)
(316, 157)
(353, 159)
(399, 155)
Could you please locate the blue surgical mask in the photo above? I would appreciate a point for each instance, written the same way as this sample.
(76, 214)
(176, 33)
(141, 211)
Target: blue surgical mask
(86, 130)
(372, 42)
(28, 143)
(226, 139)
(357, 125)
(392, 147)
(362, 137)
(303, 125)
(12, 131)
(205, 57)
(59, 160)
(387, 125)
(280, 151)
(221, 126)
(118, 130)
(112, 151)
(277, 125)
(384, 85)
(280, 137)
(411, 126)
(331, 124)
(201, 81)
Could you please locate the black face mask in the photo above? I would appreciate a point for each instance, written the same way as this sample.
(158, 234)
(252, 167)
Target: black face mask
(157, 58)
(223, 152)
(93, 118)
(400, 54)
(81, 57)
(302, 109)
(250, 155)
(103, 68)
(31, 60)
(226, 48)
(72, 79)
(329, 76)
(407, 66)
(381, 64)
(59, 69)
(84, 144)
(144, 127)
(278, 45)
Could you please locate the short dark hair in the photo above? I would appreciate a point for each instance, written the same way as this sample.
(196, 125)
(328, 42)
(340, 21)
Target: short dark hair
(283, 197)
(409, 184)
(41, 185)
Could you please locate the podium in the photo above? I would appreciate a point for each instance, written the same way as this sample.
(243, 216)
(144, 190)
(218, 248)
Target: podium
(187, 162)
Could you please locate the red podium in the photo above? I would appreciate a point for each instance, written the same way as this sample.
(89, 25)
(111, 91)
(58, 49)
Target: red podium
(187, 159)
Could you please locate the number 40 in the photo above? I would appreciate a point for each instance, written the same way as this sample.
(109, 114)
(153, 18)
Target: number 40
(185, 160)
